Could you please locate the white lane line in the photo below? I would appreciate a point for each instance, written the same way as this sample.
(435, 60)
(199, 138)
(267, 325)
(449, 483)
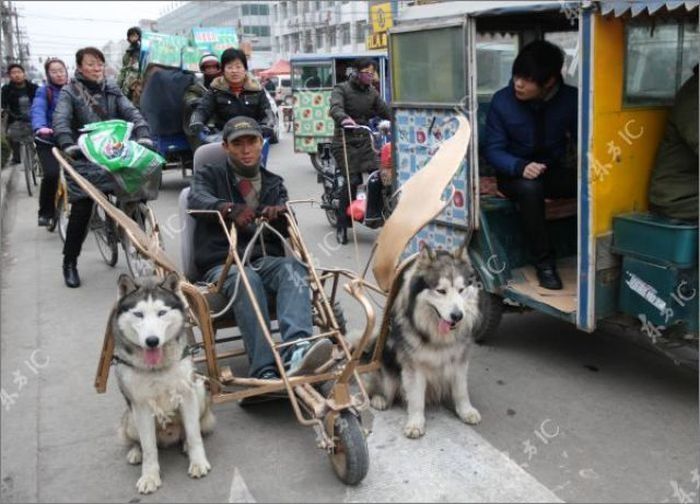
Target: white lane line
(239, 490)
(451, 463)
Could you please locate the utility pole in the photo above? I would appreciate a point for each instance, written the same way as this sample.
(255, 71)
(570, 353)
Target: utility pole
(8, 37)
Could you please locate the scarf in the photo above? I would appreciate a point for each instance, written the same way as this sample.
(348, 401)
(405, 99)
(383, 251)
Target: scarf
(236, 88)
(248, 182)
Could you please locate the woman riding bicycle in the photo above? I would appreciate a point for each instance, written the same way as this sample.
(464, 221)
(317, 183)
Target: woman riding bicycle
(88, 98)
(233, 94)
(354, 102)
(43, 107)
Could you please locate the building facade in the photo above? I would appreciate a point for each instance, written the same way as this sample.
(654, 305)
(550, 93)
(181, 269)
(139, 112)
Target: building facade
(325, 26)
(251, 20)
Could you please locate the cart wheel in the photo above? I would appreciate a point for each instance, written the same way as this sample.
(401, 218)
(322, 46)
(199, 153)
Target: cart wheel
(491, 307)
(350, 456)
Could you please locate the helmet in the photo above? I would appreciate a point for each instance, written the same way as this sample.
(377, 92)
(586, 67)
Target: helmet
(208, 59)
(132, 30)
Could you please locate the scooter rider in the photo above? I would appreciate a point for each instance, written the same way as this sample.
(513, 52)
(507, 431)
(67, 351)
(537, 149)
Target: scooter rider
(355, 102)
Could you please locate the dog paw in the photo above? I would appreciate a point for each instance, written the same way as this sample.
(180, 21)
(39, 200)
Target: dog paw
(199, 468)
(148, 483)
(414, 430)
(379, 403)
(469, 415)
(133, 457)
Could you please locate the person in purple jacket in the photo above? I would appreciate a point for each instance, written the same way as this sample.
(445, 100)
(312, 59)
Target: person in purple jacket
(42, 112)
(531, 131)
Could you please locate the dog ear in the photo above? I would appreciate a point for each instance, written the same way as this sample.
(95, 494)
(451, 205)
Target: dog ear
(126, 284)
(427, 254)
(171, 282)
(462, 252)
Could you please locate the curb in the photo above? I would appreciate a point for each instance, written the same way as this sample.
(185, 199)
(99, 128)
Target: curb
(7, 178)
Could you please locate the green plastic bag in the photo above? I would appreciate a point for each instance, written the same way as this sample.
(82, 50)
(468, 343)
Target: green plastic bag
(136, 169)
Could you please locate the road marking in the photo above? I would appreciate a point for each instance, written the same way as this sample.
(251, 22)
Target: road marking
(451, 463)
(239, 490)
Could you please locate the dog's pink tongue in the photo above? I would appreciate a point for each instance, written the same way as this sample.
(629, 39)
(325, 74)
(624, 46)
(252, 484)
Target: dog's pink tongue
(152, 356)
(444, 326)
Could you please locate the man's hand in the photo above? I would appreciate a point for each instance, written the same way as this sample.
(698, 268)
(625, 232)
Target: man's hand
(146, 142)
(73, 152)
(271, 213)
(348, 121)
(533, 170)
(241, 214)
(44, 132)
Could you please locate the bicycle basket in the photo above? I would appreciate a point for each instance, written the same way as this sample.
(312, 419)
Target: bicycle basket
(135, 169)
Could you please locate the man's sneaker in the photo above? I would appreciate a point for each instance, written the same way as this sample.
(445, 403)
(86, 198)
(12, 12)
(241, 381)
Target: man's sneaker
(270, 374)
(306, 358)
(548, 277)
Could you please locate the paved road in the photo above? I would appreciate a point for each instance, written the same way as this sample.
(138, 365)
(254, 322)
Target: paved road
(566, 415)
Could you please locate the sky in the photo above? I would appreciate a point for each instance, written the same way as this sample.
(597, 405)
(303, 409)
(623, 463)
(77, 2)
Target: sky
(57, 28)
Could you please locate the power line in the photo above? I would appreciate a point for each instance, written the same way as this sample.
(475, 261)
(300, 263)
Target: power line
(82, 19)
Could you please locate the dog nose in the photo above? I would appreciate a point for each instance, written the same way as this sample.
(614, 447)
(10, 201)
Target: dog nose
(152, 341)
(456, 316)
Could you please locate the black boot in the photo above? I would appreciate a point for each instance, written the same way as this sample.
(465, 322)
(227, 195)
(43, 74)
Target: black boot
(70, 272)
(44, 221)
(341, 235)
(548, 277)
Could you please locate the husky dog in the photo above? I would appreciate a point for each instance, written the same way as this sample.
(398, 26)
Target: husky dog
(426, 355)
(165, 402)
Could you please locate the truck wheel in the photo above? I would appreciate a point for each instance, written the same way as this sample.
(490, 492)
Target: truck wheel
(491, 308)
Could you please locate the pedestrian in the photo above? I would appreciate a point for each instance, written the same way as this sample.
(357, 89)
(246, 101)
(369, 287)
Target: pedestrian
(210, 68)
(42, 110)
(531, 132)
(239, 189)
(354, 102)
(129, 78)
(235, 93)
(88, 98)
(17, 97)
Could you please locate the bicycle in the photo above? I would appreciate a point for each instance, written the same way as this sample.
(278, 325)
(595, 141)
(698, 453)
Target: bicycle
(333, 180)
(107, 235)
(29, 159)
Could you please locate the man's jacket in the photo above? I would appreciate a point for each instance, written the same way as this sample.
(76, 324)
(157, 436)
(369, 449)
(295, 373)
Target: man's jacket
(212, 187)
(673, 190)
(518, 132)
(11, 95)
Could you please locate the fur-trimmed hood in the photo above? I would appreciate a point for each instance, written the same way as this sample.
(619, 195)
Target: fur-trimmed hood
(249, 84)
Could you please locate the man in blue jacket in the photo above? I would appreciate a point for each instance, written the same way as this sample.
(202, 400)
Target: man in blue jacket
(530, 128)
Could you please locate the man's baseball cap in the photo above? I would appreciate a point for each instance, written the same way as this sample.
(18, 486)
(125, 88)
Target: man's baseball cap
(241, 126)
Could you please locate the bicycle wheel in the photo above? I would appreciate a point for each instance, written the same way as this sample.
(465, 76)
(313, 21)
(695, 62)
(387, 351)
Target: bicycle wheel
(37, 170)
(27, 164)
(105, 233)
(138, 264)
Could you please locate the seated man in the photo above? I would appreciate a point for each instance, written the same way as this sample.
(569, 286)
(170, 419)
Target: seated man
(240, 190)
(673, 191)
(530, 127)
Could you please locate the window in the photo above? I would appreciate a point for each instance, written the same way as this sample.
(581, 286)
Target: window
(331, 37)
(317, 5)
(293, 6)
(423, 71)
(568, 41)
(274, 13)
(283, 9)
(658, 60)
(360, 32)
(494, 62)
(263, 10)
(319, 39)
(345, 33)
(313, 75)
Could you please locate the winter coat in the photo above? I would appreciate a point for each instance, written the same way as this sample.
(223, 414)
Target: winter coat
(673, 189)
(11, 95)
(73, 112)
(190, 100)
(361, 103)
(129, 72)
(211, 188)
(44, 104)
(520, 132)
(223, 105)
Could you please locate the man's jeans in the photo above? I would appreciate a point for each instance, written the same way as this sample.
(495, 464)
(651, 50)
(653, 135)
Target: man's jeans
(280, 278)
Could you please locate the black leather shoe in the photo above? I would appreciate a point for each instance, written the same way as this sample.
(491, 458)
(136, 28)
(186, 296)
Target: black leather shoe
(548, 277)
(341, 235)
(44, 221)
(70, 273)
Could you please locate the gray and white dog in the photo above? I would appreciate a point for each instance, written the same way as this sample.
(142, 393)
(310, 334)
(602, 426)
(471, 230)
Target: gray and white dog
(426, 355)
(166, 402)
